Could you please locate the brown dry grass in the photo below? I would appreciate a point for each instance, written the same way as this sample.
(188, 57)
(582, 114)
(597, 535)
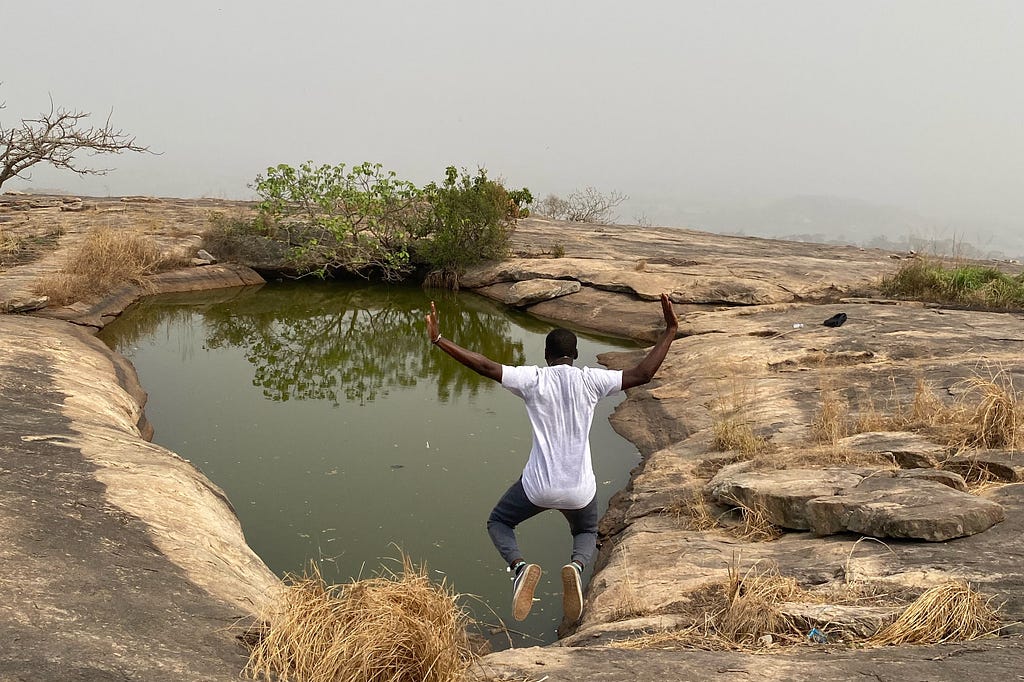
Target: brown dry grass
(9, 244)
(735, 433)
(755, 525)
(997, 418)
(393, 628)
(734, 615)
(830, 423)
(745, 614)
(951, 612)
(106, 259)
(989, 413)
(696, 510)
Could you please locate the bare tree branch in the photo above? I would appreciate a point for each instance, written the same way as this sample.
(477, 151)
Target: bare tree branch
(58, 138)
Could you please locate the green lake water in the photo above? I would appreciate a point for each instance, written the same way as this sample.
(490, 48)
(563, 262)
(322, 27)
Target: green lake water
(342, 436)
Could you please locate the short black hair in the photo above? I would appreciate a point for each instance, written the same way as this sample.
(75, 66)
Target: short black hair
(560, 343)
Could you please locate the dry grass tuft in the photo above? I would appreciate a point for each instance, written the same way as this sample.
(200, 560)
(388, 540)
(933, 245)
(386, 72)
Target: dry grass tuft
(9, 244)
(755, 525)
(752, 605)
(997, 419)
(105, 260)
(733, 433)
(394, 628)
(830, 423)
(952, 612)
(741, 614)
(696, 510)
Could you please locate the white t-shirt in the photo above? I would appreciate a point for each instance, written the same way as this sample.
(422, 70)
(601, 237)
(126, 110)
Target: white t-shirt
(560, 402)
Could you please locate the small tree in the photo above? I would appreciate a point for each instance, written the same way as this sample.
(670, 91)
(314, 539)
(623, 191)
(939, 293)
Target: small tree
(55, 138)
(470, 220)
(361, 220)
(585, 205)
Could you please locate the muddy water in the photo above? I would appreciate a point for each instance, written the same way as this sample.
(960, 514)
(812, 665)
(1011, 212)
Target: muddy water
(342, 437)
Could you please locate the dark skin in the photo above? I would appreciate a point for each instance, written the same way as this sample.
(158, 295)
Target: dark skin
(638, 375)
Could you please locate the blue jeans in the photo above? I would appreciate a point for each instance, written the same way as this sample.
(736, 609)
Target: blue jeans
(514, 507)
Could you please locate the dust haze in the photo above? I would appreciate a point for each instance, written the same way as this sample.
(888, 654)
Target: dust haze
(871, 122)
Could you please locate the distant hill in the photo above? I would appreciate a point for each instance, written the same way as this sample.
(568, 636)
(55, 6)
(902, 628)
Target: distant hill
(837, 220)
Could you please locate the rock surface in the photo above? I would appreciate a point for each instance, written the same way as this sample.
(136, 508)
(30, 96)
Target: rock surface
(739, 357)
(119, 559)
(902, 508)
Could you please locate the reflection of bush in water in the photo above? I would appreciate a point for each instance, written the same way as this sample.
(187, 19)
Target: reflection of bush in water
(354, 344)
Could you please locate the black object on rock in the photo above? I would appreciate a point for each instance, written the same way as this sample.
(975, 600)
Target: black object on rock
(836, 320)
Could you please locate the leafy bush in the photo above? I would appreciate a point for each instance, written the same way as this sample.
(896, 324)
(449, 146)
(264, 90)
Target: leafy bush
(469, 221)
(366, 221)
(361, 220)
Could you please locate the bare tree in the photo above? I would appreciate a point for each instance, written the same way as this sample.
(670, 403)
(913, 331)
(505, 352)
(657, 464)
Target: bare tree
(55, 138)
(585, 205)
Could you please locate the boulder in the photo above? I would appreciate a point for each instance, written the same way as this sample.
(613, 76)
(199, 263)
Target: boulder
(783, 494)
(528, 292)
(1005, 465)
(902, 508)
(948, 478)
(909, 450)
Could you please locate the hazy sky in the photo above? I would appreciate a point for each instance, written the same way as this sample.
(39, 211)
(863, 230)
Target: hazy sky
(912, 103)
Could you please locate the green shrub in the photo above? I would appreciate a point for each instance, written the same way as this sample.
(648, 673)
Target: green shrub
(361, 220)
(470, 220)
(975, 285)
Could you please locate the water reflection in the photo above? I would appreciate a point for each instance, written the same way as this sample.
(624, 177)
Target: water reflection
(339, 433)
(352, 345)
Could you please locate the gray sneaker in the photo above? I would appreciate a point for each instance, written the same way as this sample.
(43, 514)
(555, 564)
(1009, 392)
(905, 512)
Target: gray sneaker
(523, 585)
(572, 593)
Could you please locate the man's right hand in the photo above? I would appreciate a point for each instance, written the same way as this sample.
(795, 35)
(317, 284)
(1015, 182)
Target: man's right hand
(433, 329)
(671, 323)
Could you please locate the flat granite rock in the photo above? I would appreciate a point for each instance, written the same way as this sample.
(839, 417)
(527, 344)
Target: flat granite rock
(781, 495)
(522, 294)
(909, 450)
(902, 508)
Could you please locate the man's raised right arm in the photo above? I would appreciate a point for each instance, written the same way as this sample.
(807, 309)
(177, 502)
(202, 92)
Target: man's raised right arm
(479, 363)
(644, 370)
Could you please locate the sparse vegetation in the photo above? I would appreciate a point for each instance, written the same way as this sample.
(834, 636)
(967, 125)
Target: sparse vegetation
(106, 259)
(364, 220)
(735, 433)
(927, 279)
(997, 420)
(745, 613)
(830, 423)
(951, 612)
(989, 413)
(392, 628)
(55, 138)
(587, 205)
(10, 246)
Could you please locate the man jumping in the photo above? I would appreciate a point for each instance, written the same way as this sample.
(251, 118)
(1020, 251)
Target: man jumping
(560, 401)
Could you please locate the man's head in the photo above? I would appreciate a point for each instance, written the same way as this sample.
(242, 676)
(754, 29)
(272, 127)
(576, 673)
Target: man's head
(560, 345)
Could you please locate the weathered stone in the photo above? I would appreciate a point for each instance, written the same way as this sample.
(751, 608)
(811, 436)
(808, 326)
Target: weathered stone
(1005, 465)
(24, 305)
(841, 623)
(909, 450)
(113, 548)
(947, 478)
(901, 508)
(781, 495)
(528, 292)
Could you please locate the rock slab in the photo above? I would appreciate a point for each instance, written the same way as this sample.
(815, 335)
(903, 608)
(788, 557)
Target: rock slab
(902, 508)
